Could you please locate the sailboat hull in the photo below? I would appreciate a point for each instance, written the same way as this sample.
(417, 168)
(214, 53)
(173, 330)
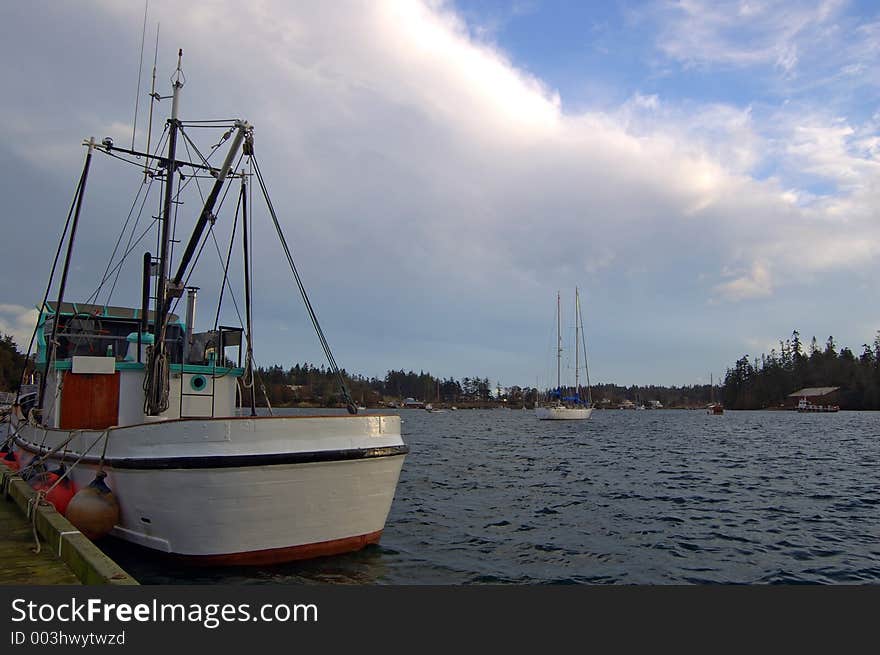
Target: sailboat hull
(236, 498)
(563, 413)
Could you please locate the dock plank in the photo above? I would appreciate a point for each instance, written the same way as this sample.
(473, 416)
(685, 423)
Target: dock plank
(19, 564)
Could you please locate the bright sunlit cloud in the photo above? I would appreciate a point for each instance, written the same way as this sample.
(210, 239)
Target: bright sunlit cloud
(439, 188)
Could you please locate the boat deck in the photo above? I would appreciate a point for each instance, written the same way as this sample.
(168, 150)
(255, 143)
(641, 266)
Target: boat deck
(19, 564)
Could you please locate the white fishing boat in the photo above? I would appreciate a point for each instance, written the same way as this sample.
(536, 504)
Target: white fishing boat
(559, 406)
(134, 392)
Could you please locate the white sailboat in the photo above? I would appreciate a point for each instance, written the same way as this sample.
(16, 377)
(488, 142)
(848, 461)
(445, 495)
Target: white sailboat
(561, 407)
(713, 408)
(133, 395)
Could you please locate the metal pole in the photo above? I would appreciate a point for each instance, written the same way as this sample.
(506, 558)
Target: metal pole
(577, 348)
(247, 292)
(170, 166)
(156, 397)
(80, 193)
(145, 302)
(558, 348)
(191, 293)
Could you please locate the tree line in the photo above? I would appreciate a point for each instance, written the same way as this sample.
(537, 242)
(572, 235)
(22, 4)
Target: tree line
(766, 382)
(11, 364)
(307, 383)
(751, 383)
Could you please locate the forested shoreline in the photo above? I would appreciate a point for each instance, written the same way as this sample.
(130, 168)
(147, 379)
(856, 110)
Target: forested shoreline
(751, 383)
(765, 382)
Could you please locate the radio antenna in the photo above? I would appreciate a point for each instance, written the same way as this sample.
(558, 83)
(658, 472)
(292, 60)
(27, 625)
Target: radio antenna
(137, 97)
(153, 98)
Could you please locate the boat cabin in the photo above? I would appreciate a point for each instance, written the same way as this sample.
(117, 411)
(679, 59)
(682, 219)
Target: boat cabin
(96, 378)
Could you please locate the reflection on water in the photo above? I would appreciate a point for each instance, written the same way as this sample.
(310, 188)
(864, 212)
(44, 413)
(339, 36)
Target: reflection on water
(654, 497)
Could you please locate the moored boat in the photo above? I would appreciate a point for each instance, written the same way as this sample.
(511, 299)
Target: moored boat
(807, 407)
(713, 407)
(559, 406)
(135, 393)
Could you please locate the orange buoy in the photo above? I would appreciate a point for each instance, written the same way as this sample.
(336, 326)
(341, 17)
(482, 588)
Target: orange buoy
(94, 510)
(58, 494)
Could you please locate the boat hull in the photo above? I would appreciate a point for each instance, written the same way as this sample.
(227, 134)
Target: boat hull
(563, 413)
(252, 506)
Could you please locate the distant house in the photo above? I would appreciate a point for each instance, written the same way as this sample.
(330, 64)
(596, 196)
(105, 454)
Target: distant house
(815, 396)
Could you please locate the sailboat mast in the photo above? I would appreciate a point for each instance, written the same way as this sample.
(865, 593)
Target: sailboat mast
(577, 348)
(558, 346)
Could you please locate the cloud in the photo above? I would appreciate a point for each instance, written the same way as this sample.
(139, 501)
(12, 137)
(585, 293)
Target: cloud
(756, 283)
(432, 190)
(740, 33)
(18, 322)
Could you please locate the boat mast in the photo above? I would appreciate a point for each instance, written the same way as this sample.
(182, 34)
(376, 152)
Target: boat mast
(170, 165)
(558, 348)
(170, 288)
(53, 341)
(156, 400)
(577, 348)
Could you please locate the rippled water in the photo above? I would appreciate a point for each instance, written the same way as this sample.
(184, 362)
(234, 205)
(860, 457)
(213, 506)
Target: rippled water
(650, 497)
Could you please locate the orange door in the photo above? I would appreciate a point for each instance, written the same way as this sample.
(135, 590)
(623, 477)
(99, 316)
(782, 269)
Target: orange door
(89, 401)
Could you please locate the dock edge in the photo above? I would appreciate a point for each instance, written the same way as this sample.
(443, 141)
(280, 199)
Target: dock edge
(78, 552)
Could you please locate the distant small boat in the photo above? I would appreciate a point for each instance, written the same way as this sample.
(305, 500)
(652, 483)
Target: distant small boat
(804, 406)
(713, 407)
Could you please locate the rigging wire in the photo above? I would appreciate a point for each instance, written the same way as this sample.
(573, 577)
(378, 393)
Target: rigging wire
(352, 408)
(118, 269)
(119, 264)
(129, 246)
(42, 307)
(586, 365)
(191, 143)
(106, 276)
(226, 265)
(219, 255)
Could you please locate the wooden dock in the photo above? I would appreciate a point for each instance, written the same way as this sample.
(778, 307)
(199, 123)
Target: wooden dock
(19, 564)
(66, 556)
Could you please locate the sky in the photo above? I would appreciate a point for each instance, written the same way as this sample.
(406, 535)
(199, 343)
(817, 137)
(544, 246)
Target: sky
(705, 173)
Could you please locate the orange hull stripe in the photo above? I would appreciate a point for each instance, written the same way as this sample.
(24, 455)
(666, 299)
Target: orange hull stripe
(286, 554)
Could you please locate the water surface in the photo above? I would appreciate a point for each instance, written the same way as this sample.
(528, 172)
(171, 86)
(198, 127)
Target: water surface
(626, 497)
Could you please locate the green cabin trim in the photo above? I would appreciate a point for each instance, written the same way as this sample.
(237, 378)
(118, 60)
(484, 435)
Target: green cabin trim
(198, 369)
